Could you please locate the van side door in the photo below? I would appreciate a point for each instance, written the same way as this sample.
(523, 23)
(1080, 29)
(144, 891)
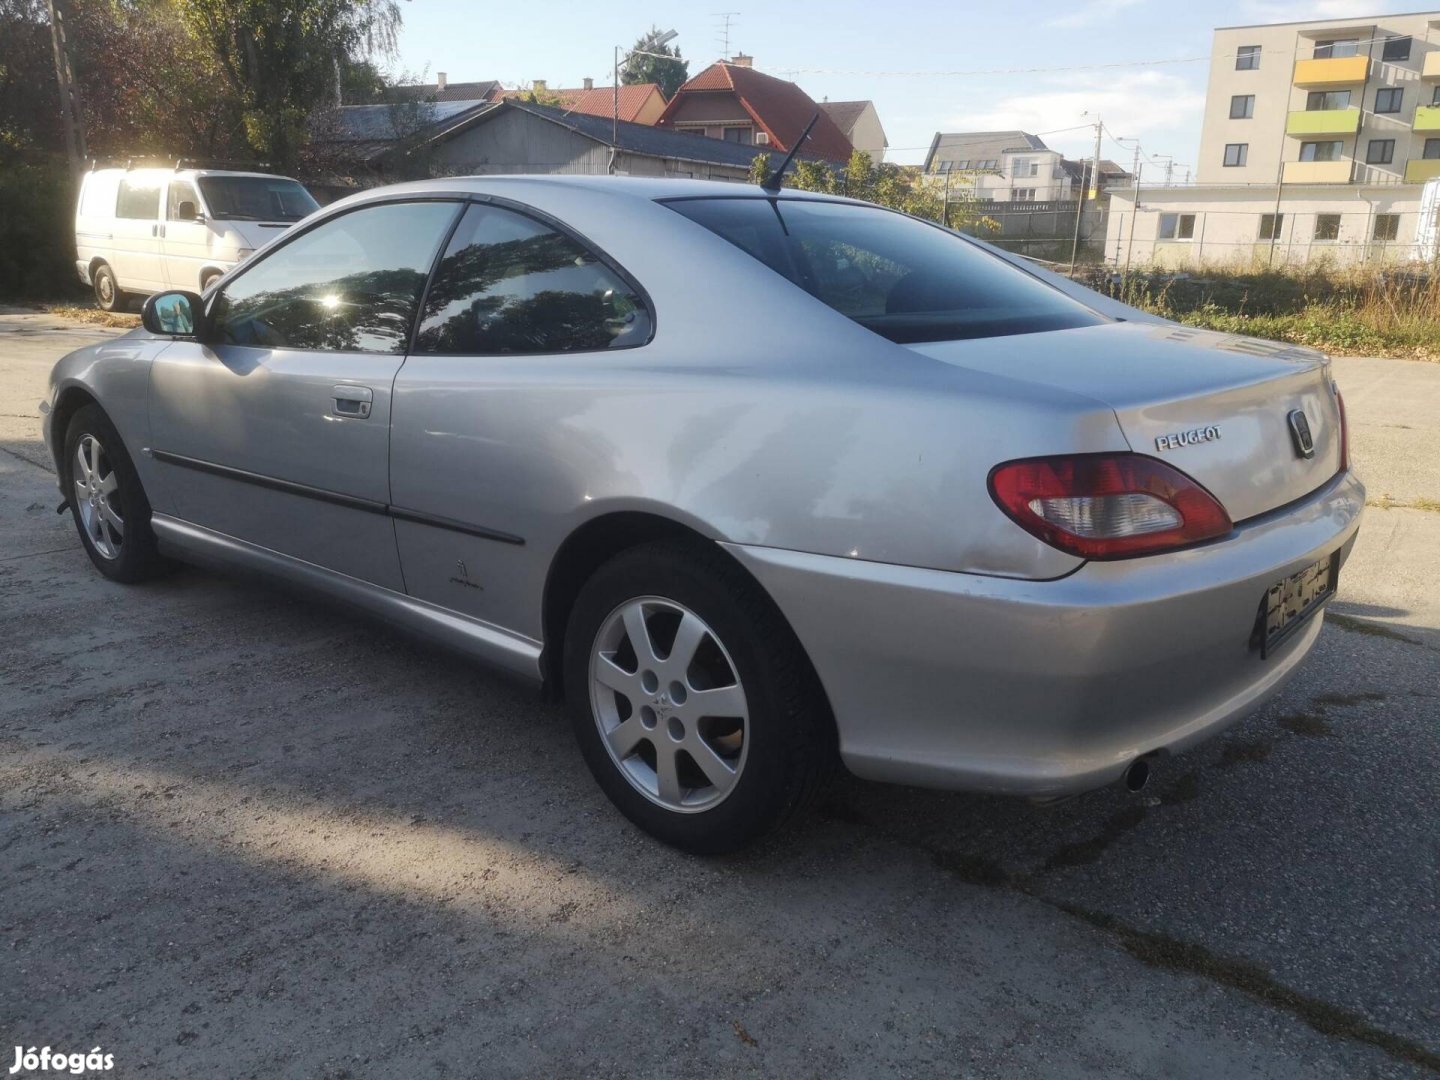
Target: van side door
(136, 257)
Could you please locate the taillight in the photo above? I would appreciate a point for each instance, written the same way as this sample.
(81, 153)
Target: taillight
(1107, 506)
(1344, 432)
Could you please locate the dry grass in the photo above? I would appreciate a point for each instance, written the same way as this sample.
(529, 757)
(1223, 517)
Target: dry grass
(1357, 312)
(93, 316)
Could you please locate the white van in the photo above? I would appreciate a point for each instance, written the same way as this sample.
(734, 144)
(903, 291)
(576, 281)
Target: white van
(141, 231)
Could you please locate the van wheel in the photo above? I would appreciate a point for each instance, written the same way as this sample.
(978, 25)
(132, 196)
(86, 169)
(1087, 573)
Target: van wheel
(108, 293)
(209, 278)
(695, 707)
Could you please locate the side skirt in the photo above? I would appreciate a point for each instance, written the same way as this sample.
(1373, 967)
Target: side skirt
(484, 641)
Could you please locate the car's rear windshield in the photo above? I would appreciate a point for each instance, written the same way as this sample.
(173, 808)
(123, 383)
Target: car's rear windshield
(906, 280)
(256, 198)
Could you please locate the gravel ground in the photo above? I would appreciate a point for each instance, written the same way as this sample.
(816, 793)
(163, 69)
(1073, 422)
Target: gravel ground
(246, 834)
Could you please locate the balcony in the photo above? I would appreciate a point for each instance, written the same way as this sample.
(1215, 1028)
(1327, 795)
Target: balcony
(1427, 118)
(1418, 170)
(1331, 71)
(1323, 122)
(1431, 70)
(1317, 172)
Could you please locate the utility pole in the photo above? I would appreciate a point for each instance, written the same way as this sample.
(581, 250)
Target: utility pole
(72, 118)
(1081, 194)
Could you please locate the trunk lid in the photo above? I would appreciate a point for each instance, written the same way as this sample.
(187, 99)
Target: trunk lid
(1218, 407)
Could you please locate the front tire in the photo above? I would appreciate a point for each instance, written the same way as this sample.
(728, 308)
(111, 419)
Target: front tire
(106, 499)
(108, 294)
(694, 704)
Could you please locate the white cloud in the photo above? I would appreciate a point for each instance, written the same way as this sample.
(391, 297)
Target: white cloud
(1161, 109)
(1093, 12)
(1268, 11)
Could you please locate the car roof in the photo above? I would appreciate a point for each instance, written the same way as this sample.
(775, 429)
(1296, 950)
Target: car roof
(647, 188)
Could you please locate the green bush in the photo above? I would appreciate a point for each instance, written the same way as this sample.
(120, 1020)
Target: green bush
(37, 231)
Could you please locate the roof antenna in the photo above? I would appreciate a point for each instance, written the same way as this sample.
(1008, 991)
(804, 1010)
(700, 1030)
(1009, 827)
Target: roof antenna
(773, 181)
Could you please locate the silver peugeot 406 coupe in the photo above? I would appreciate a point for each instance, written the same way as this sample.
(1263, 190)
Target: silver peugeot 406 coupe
(759, 482)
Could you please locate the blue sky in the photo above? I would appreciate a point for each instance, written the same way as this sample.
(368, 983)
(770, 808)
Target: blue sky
(838, 49)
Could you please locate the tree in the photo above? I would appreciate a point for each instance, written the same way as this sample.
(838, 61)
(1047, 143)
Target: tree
(900, 187)
(280, 58)
(668, 70)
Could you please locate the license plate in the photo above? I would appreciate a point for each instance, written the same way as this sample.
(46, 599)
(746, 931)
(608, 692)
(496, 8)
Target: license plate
(1289, 603)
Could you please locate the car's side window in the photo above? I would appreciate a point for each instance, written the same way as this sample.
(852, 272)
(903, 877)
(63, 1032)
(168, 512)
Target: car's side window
(138, 200)
(351, 284)
(180, 192)
(511, 284)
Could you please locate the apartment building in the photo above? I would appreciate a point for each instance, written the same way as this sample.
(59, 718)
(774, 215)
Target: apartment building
(1331, 101)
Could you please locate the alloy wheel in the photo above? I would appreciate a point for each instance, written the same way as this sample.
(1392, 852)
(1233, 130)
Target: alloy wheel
(96, 497)
(669, 704)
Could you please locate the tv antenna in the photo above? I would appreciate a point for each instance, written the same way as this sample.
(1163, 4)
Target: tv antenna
(722, 31)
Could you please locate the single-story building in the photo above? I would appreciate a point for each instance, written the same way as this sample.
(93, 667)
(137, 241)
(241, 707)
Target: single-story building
(1269, 224)
(386, 143)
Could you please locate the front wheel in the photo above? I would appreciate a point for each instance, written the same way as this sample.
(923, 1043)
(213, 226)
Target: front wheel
(694, 704)
(110, 509)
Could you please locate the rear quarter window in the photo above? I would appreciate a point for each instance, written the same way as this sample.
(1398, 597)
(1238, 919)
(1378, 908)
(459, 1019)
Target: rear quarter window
(905, 279)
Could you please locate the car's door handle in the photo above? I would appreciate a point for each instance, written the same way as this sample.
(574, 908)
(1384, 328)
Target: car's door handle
(352, 402)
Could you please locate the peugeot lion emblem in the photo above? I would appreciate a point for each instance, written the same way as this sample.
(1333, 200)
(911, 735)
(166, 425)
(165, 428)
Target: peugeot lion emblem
(1300, 432)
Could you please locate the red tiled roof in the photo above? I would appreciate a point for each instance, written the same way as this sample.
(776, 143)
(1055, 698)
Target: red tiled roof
(599, 101)
(779, 108)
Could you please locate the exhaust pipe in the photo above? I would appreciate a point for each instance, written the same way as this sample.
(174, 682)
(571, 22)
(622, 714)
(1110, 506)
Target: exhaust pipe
(1137, 775)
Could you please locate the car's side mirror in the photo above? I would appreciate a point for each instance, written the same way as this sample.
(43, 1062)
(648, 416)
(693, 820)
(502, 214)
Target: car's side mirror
(186, 211)
(177, 314)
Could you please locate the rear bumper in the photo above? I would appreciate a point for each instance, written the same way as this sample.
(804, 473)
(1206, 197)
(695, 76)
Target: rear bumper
(1049, 687)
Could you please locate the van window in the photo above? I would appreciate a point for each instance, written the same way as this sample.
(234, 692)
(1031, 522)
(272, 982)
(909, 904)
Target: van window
(99, 197)
(180, 192)
(139, 199)
(256, 198)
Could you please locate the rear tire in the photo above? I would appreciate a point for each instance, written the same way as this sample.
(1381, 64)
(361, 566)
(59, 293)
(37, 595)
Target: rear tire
(106, 499)
(108, 294)
(706, 774)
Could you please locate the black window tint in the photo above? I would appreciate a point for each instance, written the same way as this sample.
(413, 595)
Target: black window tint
(349, 285)
(180, 192)
(139, 200)
(904, 279)
(510, 284)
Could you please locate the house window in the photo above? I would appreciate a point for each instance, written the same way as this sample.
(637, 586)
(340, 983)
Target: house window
(1318, 100)
(1023, 194)
(1247, 58)
(1389, 99)
(1432, 150)
(1396, 48)
(1322, 151)
(943, 166)
(1387, 227)
(1236, 153)
(1177, 226)
(1435, 95)
(1023, 167)
(1380, 152)
(1327, 226)
(1270, 226)
(1242, 107)
(962, 165)
(739, 135)
(1325, 50)
(987, 163)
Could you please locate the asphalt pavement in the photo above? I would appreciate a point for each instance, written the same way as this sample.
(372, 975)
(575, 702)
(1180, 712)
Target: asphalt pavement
(248, 834)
